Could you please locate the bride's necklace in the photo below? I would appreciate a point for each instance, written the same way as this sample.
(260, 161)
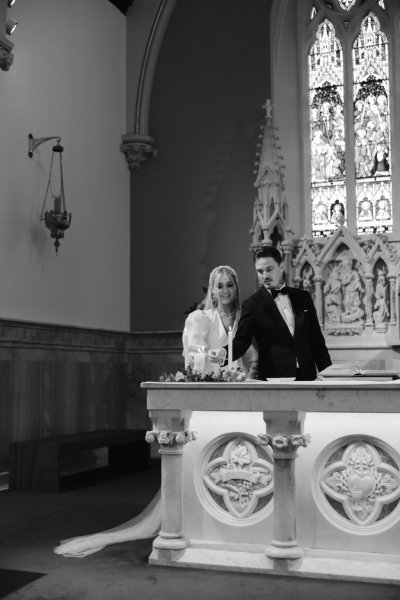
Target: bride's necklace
(224, 314)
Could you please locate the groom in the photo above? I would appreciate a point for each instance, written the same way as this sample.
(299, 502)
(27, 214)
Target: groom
(284, 324)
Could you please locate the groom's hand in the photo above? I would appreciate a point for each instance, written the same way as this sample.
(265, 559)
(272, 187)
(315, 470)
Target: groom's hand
(216, 355)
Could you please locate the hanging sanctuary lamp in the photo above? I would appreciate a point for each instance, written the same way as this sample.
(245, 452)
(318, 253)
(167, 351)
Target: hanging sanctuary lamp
(57, 219)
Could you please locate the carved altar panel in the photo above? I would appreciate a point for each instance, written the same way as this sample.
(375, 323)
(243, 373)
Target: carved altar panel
(357, 485)
(235, 479)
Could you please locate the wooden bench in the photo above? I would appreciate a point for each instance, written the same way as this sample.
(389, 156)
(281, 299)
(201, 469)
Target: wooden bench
(35, 465)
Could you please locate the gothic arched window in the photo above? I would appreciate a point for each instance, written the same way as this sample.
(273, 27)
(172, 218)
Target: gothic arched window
(349, 114)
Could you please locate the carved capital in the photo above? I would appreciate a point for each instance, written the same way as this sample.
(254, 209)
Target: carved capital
(6, 56)
(137, 149)
(287, 247)
(171, 439)
(284, 443)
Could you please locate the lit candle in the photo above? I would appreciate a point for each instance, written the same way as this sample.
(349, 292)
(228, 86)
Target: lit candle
(230, 348)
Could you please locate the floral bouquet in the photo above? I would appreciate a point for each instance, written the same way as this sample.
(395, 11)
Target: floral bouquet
(192, 375)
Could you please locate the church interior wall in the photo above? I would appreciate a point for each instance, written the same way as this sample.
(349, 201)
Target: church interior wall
(131, 264)
(192, 204)
(67, 80)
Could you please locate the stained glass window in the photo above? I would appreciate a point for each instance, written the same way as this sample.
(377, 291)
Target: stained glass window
(371, 119)
(327, 131)
(367, 184)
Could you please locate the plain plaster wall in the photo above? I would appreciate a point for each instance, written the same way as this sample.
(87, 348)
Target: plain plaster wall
(287, 59)
(68, 80)
(192, 205)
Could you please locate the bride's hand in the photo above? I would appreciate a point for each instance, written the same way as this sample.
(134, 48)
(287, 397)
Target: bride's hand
(216, 355)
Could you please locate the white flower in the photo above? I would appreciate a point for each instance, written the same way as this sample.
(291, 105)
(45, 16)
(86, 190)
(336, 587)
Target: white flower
(279, 441)
(180, 437)
(150, 437)
(263, 439)
(297, 440)
(164, 437)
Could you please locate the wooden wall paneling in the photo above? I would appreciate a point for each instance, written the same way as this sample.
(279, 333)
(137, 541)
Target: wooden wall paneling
(6, 415)
(58, 379)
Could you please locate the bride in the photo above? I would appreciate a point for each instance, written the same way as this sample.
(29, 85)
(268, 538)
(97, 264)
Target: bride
(208, 327)
(204, 329)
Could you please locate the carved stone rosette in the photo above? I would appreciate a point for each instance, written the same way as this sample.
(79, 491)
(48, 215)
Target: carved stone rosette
(137, 149)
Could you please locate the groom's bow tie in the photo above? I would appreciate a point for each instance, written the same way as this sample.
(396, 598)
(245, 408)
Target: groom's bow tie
(283, 291)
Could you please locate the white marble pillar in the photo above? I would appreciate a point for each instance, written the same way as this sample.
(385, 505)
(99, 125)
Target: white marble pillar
(284, 435)
(171, 432)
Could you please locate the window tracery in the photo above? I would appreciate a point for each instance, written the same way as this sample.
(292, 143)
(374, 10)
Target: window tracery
(346, 4)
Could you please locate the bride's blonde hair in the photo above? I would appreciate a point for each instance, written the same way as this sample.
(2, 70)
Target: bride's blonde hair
(211, 301)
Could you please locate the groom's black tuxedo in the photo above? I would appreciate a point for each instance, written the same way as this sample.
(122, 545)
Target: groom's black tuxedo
(280, 353)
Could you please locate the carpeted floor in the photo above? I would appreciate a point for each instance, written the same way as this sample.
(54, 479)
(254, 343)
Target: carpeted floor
(32, 524)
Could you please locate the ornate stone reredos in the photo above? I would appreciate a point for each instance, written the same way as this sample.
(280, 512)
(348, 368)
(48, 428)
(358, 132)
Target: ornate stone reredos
(353, 281)
(365, 250)
(270, 206)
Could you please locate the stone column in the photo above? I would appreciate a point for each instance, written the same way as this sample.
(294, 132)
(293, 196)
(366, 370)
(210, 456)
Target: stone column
(171, 432)
(284, 435)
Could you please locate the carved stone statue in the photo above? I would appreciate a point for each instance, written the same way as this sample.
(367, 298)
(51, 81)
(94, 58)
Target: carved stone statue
(381, 309)
(333, 296)
(352, 291)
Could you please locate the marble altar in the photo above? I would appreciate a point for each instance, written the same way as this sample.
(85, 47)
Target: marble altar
(301, 478)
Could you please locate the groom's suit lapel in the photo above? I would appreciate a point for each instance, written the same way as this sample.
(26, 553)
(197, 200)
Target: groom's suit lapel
(269, 306)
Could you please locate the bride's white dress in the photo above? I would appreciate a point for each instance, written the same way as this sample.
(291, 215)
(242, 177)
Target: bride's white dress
(145, 525)
(203, 330)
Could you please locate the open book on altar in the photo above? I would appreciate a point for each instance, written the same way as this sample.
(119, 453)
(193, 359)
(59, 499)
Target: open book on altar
(350, 370)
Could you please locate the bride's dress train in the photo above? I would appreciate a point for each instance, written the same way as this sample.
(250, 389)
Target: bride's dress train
(145, 525)
(203, 328)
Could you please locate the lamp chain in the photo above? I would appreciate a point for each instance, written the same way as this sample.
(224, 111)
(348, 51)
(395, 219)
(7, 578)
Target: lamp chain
(47, 188)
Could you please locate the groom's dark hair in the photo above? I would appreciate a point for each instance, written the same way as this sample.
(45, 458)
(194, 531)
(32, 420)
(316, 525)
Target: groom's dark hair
(268, 252)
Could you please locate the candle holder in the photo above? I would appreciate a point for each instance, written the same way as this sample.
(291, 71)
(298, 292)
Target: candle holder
(230, 352)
